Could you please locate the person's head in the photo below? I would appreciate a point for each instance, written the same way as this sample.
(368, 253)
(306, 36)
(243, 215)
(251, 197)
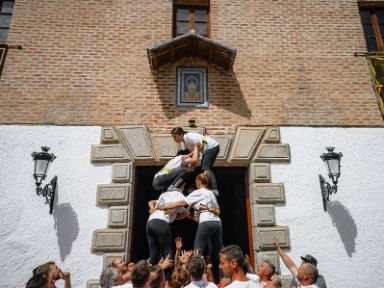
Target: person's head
(196, 267)
(140, 274)
(119, 264)
(265, 270)
(156, 277)
(307, 274)
(202, 180)
(276, 281)
(309, 259)
(178, 134)
(40, 280)
(231, 260)
(183, 152)
(49, 267)
(110, 277)
(179, 278)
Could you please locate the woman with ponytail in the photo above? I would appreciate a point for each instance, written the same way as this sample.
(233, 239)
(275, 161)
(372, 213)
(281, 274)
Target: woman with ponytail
(209, 231)
(197, 143)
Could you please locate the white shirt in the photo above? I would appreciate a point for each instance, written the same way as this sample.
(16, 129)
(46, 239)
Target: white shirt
(243, 284)
(166, 198)
(207, 198)
(255, 278)
(192, 138)
(201, 284)
(126, 285)
(174, 163)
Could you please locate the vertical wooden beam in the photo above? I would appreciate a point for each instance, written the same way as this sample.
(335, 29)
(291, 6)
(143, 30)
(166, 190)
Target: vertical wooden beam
(376, 30)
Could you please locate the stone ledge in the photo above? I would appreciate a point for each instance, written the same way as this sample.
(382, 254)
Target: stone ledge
(267, 193)
(109, 240)
(109, 153)
(109, 135)
(113, 194)
(123, 173)
(164, 146)
(263, 237)
(272, 153)
(263, 215)
(259, 172)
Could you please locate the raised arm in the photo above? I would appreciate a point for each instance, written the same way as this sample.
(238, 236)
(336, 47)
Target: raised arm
(286, 259)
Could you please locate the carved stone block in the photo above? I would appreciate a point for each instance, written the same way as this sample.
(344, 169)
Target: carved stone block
(273, 153)
(113, 194)
(109, 257)
(263, 237)
(122, 173)
(138, 142)
(164, 146)
(259, 172)
(272, 135)
(271, 256)
(118, 216)
(286, 280)
(267, 193)
(109, 135)
(93, 283)
(245, 143)
(109, 240)
(225, 144)
(109, 153)
(263, 215)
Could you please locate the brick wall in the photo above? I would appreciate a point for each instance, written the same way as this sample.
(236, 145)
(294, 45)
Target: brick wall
(84, 62)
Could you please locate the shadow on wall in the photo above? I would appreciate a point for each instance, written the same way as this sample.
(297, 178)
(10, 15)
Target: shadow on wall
(224, 90)
(66, 225)
(345, 225)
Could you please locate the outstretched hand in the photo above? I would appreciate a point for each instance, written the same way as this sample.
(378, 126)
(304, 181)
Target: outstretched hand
(179, 243)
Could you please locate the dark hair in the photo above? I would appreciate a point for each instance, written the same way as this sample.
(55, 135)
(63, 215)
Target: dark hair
(183, 152)
(38, 280)
(140, 273)
(234, 252)
(178, 130)
(271, 267)
(196, 267)
(156, 276)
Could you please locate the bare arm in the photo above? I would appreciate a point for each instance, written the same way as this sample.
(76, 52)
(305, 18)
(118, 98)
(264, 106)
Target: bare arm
(286, 259)
(152, 205)
(66, 276)
(178, 204)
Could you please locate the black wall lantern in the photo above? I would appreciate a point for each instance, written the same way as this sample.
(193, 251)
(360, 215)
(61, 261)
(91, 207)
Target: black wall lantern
(42, 160)
(332, 161)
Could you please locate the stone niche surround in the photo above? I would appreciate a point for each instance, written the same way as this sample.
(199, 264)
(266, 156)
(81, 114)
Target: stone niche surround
(123, 146)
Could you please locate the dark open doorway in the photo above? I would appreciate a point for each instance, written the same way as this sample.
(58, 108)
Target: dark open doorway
(232, 200)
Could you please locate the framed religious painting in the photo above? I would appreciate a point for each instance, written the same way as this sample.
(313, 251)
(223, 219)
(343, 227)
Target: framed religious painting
(191, 87)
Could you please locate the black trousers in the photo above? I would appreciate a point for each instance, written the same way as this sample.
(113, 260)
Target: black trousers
(173, 178)
(209, 235)
(160, 240)
(207, 162)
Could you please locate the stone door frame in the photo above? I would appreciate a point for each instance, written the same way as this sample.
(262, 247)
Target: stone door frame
(133, 145)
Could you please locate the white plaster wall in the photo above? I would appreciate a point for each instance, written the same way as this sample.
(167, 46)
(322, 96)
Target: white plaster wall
(348, 240)
(28, 235)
